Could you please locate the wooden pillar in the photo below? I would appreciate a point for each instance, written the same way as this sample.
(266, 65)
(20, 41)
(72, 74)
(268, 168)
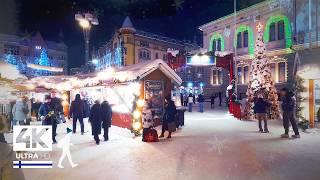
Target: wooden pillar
(311, 102)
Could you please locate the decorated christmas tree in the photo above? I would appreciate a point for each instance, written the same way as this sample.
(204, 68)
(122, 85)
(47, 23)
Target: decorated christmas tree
(261, 81)
(44, 60)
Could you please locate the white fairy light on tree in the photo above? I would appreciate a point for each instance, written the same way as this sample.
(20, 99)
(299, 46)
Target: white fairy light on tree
(261, 80)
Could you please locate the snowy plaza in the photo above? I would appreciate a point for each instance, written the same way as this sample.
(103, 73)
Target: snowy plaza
(160, 90)
(212, 145)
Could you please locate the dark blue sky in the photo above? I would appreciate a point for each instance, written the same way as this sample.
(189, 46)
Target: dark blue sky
(174, 18)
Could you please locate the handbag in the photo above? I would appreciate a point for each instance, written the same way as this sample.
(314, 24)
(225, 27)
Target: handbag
(172, 127)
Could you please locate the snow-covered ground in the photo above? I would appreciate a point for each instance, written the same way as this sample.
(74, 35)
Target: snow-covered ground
(211, 145)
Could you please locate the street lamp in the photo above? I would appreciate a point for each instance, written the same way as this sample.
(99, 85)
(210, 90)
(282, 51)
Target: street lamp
(86, 21)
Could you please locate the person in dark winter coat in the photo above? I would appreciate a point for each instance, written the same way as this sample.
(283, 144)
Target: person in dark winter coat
(169, 116)
(95, 120)
(46, 114)
(77, 110)
(212, 98)
(288, 109)
(106, 116)
(220, 98)
(260, 109)
(86, 108)
(190, 101)
(201, 102)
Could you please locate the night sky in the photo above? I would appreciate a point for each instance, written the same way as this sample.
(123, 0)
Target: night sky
(54, 19)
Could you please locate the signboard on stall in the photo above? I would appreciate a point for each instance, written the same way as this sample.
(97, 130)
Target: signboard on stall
(153, 90)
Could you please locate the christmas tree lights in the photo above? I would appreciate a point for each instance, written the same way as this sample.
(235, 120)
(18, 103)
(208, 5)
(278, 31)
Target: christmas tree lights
(261, 80)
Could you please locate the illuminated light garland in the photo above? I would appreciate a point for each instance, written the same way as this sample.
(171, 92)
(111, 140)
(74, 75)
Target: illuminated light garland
(241, 29)
(45, 68)
(287, 29)
(217, 36)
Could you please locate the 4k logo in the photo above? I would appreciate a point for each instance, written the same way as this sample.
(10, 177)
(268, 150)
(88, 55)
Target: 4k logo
(32, 138)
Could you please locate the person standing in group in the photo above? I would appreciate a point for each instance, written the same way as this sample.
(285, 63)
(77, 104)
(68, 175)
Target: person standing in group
(169, 116)
(106, 117)
(57, 108)
(212, 98)
(181, 99)
(20, 111)
(190, 102)
(77, 111)
(288, 109)
(95, 120)
(46, 114)
(185, 98)
(27, 102)
(260, 109)
(201, 101)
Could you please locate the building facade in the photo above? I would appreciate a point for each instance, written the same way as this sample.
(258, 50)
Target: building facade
(130, 46)
(34, 56)
(291, 33)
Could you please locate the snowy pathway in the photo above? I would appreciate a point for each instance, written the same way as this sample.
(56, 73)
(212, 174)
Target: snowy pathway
(212, 145)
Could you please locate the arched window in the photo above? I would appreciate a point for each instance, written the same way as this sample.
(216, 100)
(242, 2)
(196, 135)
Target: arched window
(216, 42)
(244, 38)
(278, 27)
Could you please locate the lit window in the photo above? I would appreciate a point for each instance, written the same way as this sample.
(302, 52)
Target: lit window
(216, 45)
(240, 75)
(246, 74)
(273, 71)
(282, 71)
(216, 77)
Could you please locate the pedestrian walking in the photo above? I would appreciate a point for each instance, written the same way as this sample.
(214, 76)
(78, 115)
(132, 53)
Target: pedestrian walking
(57, 108)
(20, 111)
(47, 116)
(260, 109)
(288, 113)
(27, 102)
(169, 116)
(220, 98)
(77, 112)
(201, 101)
(181, 99)
(185, 98)
(212, 98)
(95, 120)
(190, 102)
(106, 117)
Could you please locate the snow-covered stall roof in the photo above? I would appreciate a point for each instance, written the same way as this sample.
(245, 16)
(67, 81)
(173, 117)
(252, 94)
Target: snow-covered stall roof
(9, 71)
(141, 70)
(107, 76)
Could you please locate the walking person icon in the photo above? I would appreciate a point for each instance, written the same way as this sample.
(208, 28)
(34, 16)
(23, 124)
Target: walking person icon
(65, 144)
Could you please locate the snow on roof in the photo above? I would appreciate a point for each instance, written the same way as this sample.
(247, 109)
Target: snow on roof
(141, 70)
(9, 71)
(108, 76)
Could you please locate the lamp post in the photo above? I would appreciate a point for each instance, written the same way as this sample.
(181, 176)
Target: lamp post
(86, 21)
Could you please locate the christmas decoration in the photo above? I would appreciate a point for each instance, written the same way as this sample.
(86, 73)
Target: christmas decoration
(261, 81)
(299, 89)
(287, 29)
